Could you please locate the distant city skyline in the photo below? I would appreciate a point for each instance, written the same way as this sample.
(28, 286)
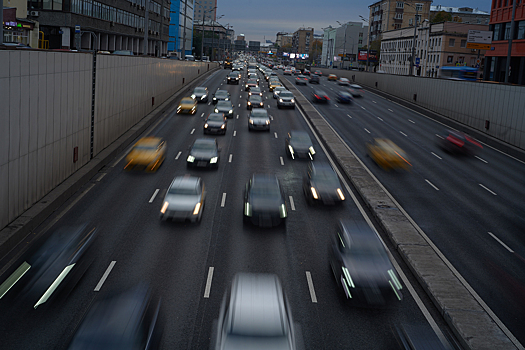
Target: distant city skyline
(263, 21)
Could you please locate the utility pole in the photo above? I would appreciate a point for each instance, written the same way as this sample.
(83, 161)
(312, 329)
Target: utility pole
(146, 28)
(509, 50)
(411, 72)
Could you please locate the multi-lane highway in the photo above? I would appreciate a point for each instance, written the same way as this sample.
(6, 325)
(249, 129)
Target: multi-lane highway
(472, 208)
(191, 266)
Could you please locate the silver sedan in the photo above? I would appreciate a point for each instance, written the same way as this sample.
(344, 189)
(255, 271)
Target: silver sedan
(184, 200)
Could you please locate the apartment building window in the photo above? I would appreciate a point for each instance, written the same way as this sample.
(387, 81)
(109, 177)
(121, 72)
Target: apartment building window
(400, 5)
(463, 43)
(419, 7)
(521, 30)
(507, 30)
(451, 42)
(450, 59)
(410, 21)
(398, 16)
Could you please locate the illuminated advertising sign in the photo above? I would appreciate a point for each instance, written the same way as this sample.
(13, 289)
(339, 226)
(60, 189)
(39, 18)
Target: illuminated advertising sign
(361, 56)
(292, 55)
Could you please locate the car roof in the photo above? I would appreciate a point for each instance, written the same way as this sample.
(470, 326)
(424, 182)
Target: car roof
(222, 92)
(259, 112)
(149, 140)
(185, 181)
(203, 141)
(187, 99)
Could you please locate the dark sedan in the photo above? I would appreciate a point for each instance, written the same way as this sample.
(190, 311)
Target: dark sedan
(215, 124)
(301, 79)
(299, 145)
(221, 95)
(456, 142)
(321, 185)
(361, 266)
(344, 97)
(320, 96)
(250, 84)
(314, 79)
(224, 107)
(58, 262)
(254, 101)
(200, 94)
(264, 201)
(126, 320)
(233, 78)
(259, 120)
(203, 153)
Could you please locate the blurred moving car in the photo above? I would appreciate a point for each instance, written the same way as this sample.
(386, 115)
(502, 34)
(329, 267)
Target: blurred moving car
(254, 101)
(287, 72)
(259, 120)
(203, 153)
(128, 320)
(456, 142)
(224, 107)
(233, 78)
(56, 263)
(274, 84)
(361, 266)
(332, 77)
(264, 201)
(318, 72)
(343, 81)
(286, 99)
(255, 314)
(278, 90)
(148, 153)
(255, 91)
(251, 83)
(184, 199)
(299, 145)
(187, 105)
(355, 90)
(221, 95)
(123, 52)
(215, 123)
(200, 94)
(301, 79)
(321, 184)
(320, 96)
(306, 72)
(344, 97)
(314, 79)
(387, 154)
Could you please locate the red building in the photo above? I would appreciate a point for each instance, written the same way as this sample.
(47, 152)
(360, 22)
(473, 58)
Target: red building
(496, 57)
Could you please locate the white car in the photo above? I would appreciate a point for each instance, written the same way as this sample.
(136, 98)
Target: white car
(184, 200)
(343, 81)
(277, 91)
(356, 90)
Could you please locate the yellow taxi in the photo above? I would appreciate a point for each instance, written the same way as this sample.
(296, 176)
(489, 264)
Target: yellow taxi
(274, 84)
(148, 153)
(187, 105)
(387, 154)
(332, 77)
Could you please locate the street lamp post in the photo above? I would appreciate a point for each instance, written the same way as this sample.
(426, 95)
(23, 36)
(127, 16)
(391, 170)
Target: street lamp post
(413, 41)
(368, 45)
(344, 45)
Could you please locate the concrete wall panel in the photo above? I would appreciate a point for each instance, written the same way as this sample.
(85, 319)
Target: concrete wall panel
(6, 63)
(4, 119)
(14, 118)
(24, 114)
(4, 192)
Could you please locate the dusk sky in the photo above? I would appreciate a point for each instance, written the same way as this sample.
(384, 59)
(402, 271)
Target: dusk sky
(257, 19)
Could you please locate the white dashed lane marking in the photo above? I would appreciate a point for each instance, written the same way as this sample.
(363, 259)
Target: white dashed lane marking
(488, 190)
(234, 132)
(202, 115)
(435, 155)
(178, 155)
(311, 286)
(441, 137)
(402, 133)
(230, 159)
(390, 110)
(380, 118)
(192, 131)
(275, 134)
(367, 130)
(223, 201)
(431, 184)
(292, 204)
(154, 195)
(349, 116)
(413, 122)
(500, 242)
(208, 282)
(483, 160)
(105, 276)
(282, 161)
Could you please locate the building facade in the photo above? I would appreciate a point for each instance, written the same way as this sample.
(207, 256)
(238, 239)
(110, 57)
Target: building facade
(104, 25)
(437, 45)
(328, 52)
(500, 24)
(283, 39)
(462, 14)
(350, 37)
(181, 21)
(240, 43)
(301, 40)
(205, 9)
(16, 26)
(386, 15)
(254, 46)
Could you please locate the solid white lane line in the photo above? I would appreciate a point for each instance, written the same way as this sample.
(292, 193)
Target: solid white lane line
(105, 276)
(100, 177)
(234, 132)
(202, 115)
(441, 137)
(282, 161)
(488, 190)
(390, 110)
(275, 134)
(367, 130)
(223, 201)
(230, 159)
(380, 118)
(500, 242)
(431, 184)
(435, 155)
(483, 160)
(413, 122)
(208, 282)
(311, 286)
(192, 131)
(402, 133)
(178, 155)
(349, 116)
(154, 195)
(292, 204)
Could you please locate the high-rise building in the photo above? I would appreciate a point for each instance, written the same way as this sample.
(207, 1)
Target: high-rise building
(181, 20)
(388, 15)
(302, 40)
(205, 9)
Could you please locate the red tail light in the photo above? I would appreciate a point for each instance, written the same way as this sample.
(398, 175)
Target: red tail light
(316, 96)
(455, 141)
(327, 98)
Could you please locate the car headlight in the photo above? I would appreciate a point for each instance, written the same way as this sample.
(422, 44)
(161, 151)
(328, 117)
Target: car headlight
(206, 126)
(267, 122)
(190, 159)
(193, 96)
(197, 208)
(251, 121)
(214, 160)
(247, 209)
(231, 111)
(291, 149)
(164, 207)
(223, 126)
(280, 100)
(312, 151)
(340, 193)
(216, 110)
(249, 103)
(314, 193)
(215, 98)
(203, 97)
(292, 100)
(226, 99)
(282, 211)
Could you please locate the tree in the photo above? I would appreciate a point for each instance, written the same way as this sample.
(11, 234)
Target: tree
(316, 50)
(441, 16)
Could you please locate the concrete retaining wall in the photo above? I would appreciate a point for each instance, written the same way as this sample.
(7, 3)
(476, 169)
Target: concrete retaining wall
(469, 103)
(45, 112)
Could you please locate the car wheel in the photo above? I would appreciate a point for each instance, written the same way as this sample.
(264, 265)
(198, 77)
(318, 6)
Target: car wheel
(249, 129)
(246, 220)
(279, 106)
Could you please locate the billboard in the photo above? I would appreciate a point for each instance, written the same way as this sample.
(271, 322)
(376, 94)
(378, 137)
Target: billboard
(361, 56)
(479, 39)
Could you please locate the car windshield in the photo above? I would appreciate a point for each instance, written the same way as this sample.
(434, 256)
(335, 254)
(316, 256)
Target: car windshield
(233, 75)
(184, 190)
(326, 176)
(199, 90)
(221, 94)
(224, 104)
(301, 137)
(215, 118)
(203, 146)
(255, 98)
(142, 148)
(255, 90)
(252, 81)
(286, 94)
(259, 113)
(265, 189)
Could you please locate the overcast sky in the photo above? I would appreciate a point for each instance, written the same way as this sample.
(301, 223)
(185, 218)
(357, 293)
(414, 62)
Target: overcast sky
(264, 18)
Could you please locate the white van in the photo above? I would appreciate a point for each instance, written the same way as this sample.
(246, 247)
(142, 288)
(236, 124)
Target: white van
(174, 55)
